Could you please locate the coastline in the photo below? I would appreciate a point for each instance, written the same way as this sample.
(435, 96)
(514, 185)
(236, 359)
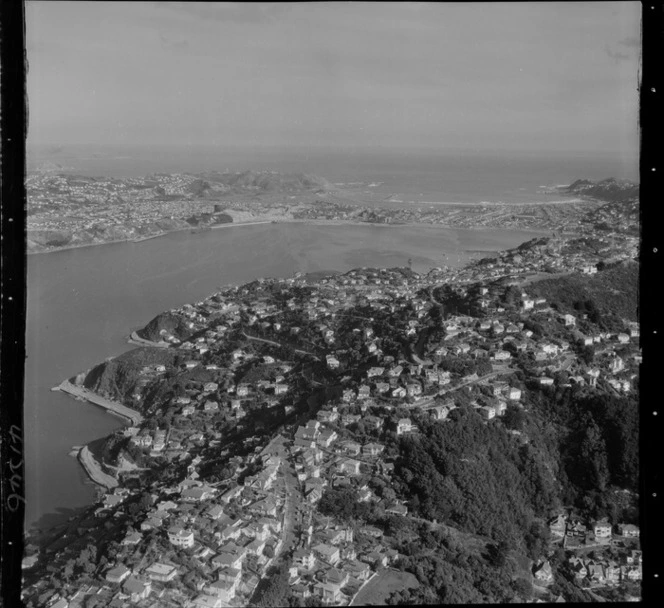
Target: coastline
(113, 407)
(94, 470)
(285, 220)
(145, 238)
(134, 338)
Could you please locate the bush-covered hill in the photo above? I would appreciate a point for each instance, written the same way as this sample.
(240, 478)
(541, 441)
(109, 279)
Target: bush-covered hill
(173, 324)
(613, 291)
(118, 377)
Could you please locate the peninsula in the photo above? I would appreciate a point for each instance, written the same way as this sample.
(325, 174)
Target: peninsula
(463, 435)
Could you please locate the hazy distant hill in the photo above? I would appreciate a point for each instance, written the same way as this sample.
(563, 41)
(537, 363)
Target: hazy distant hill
(610, 190)
(269, 181)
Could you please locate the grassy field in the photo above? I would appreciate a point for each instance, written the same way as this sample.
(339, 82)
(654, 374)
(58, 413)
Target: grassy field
(376, 592)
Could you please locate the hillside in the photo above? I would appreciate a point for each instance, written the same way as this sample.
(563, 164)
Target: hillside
(269, 181)
(610, 190)
(614, 291)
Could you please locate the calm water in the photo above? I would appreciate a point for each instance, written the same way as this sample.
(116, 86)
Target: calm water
(82, 304)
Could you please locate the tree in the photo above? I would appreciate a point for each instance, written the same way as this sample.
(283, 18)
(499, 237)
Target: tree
(514, 418)
(497, 554)
(523, 588)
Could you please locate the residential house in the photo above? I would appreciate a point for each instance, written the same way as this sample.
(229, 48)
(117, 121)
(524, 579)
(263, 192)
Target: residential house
(207, 601)
(557, 525)
(628, 530)
(439, 412)
(304, 558)
(136, 589)
(487, 412)
(514, 394)
(351, 447)
(329, 593)
(357, 569)
(161, 572)
(180, 537)
(601, 529)
(543, 573)
(404, 425)
(349, 466)
(117, 574)
(336, 577)
(327, 553)
(372, 449)
(397, 509)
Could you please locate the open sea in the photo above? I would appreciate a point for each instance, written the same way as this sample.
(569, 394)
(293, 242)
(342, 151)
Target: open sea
(83, 303)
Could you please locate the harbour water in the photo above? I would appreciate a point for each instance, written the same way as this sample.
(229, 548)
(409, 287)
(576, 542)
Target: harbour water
(83, 304)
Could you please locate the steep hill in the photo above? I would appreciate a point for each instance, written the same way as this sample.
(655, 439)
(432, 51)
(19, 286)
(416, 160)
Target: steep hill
(118, 378)
(173, 324)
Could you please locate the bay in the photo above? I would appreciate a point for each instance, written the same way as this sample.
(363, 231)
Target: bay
(83, 303)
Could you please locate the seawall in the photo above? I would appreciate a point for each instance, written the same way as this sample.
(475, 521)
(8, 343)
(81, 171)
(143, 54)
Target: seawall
(94, 470)
(112, 406)
(134, 338)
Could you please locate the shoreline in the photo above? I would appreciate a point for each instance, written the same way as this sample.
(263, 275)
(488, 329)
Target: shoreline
(134, 338)
(145, 238)
(285, 220)
(122, 411)
(94, 470)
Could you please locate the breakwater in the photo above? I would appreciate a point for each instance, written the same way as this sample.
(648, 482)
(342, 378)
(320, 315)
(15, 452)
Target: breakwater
(112, 406)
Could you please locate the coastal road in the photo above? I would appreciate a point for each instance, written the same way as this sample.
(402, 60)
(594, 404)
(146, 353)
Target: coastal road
(112, 406)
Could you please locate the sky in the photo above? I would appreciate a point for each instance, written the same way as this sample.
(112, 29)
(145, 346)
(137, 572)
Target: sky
(550, 76)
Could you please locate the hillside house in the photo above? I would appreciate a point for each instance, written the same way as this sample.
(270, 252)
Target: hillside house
(161, 572)
(137, 589)
(569, 320)
(304, 558)
(487, 412)
(327, 553)
(328, 592)
(543, 573)
(117, 574)
(180, 537)
(349, 466)
(629, 530)
(601, 529)
(404, 425)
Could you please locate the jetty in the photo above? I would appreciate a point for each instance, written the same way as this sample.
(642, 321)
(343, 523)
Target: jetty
(94, 470)
(114, 407)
